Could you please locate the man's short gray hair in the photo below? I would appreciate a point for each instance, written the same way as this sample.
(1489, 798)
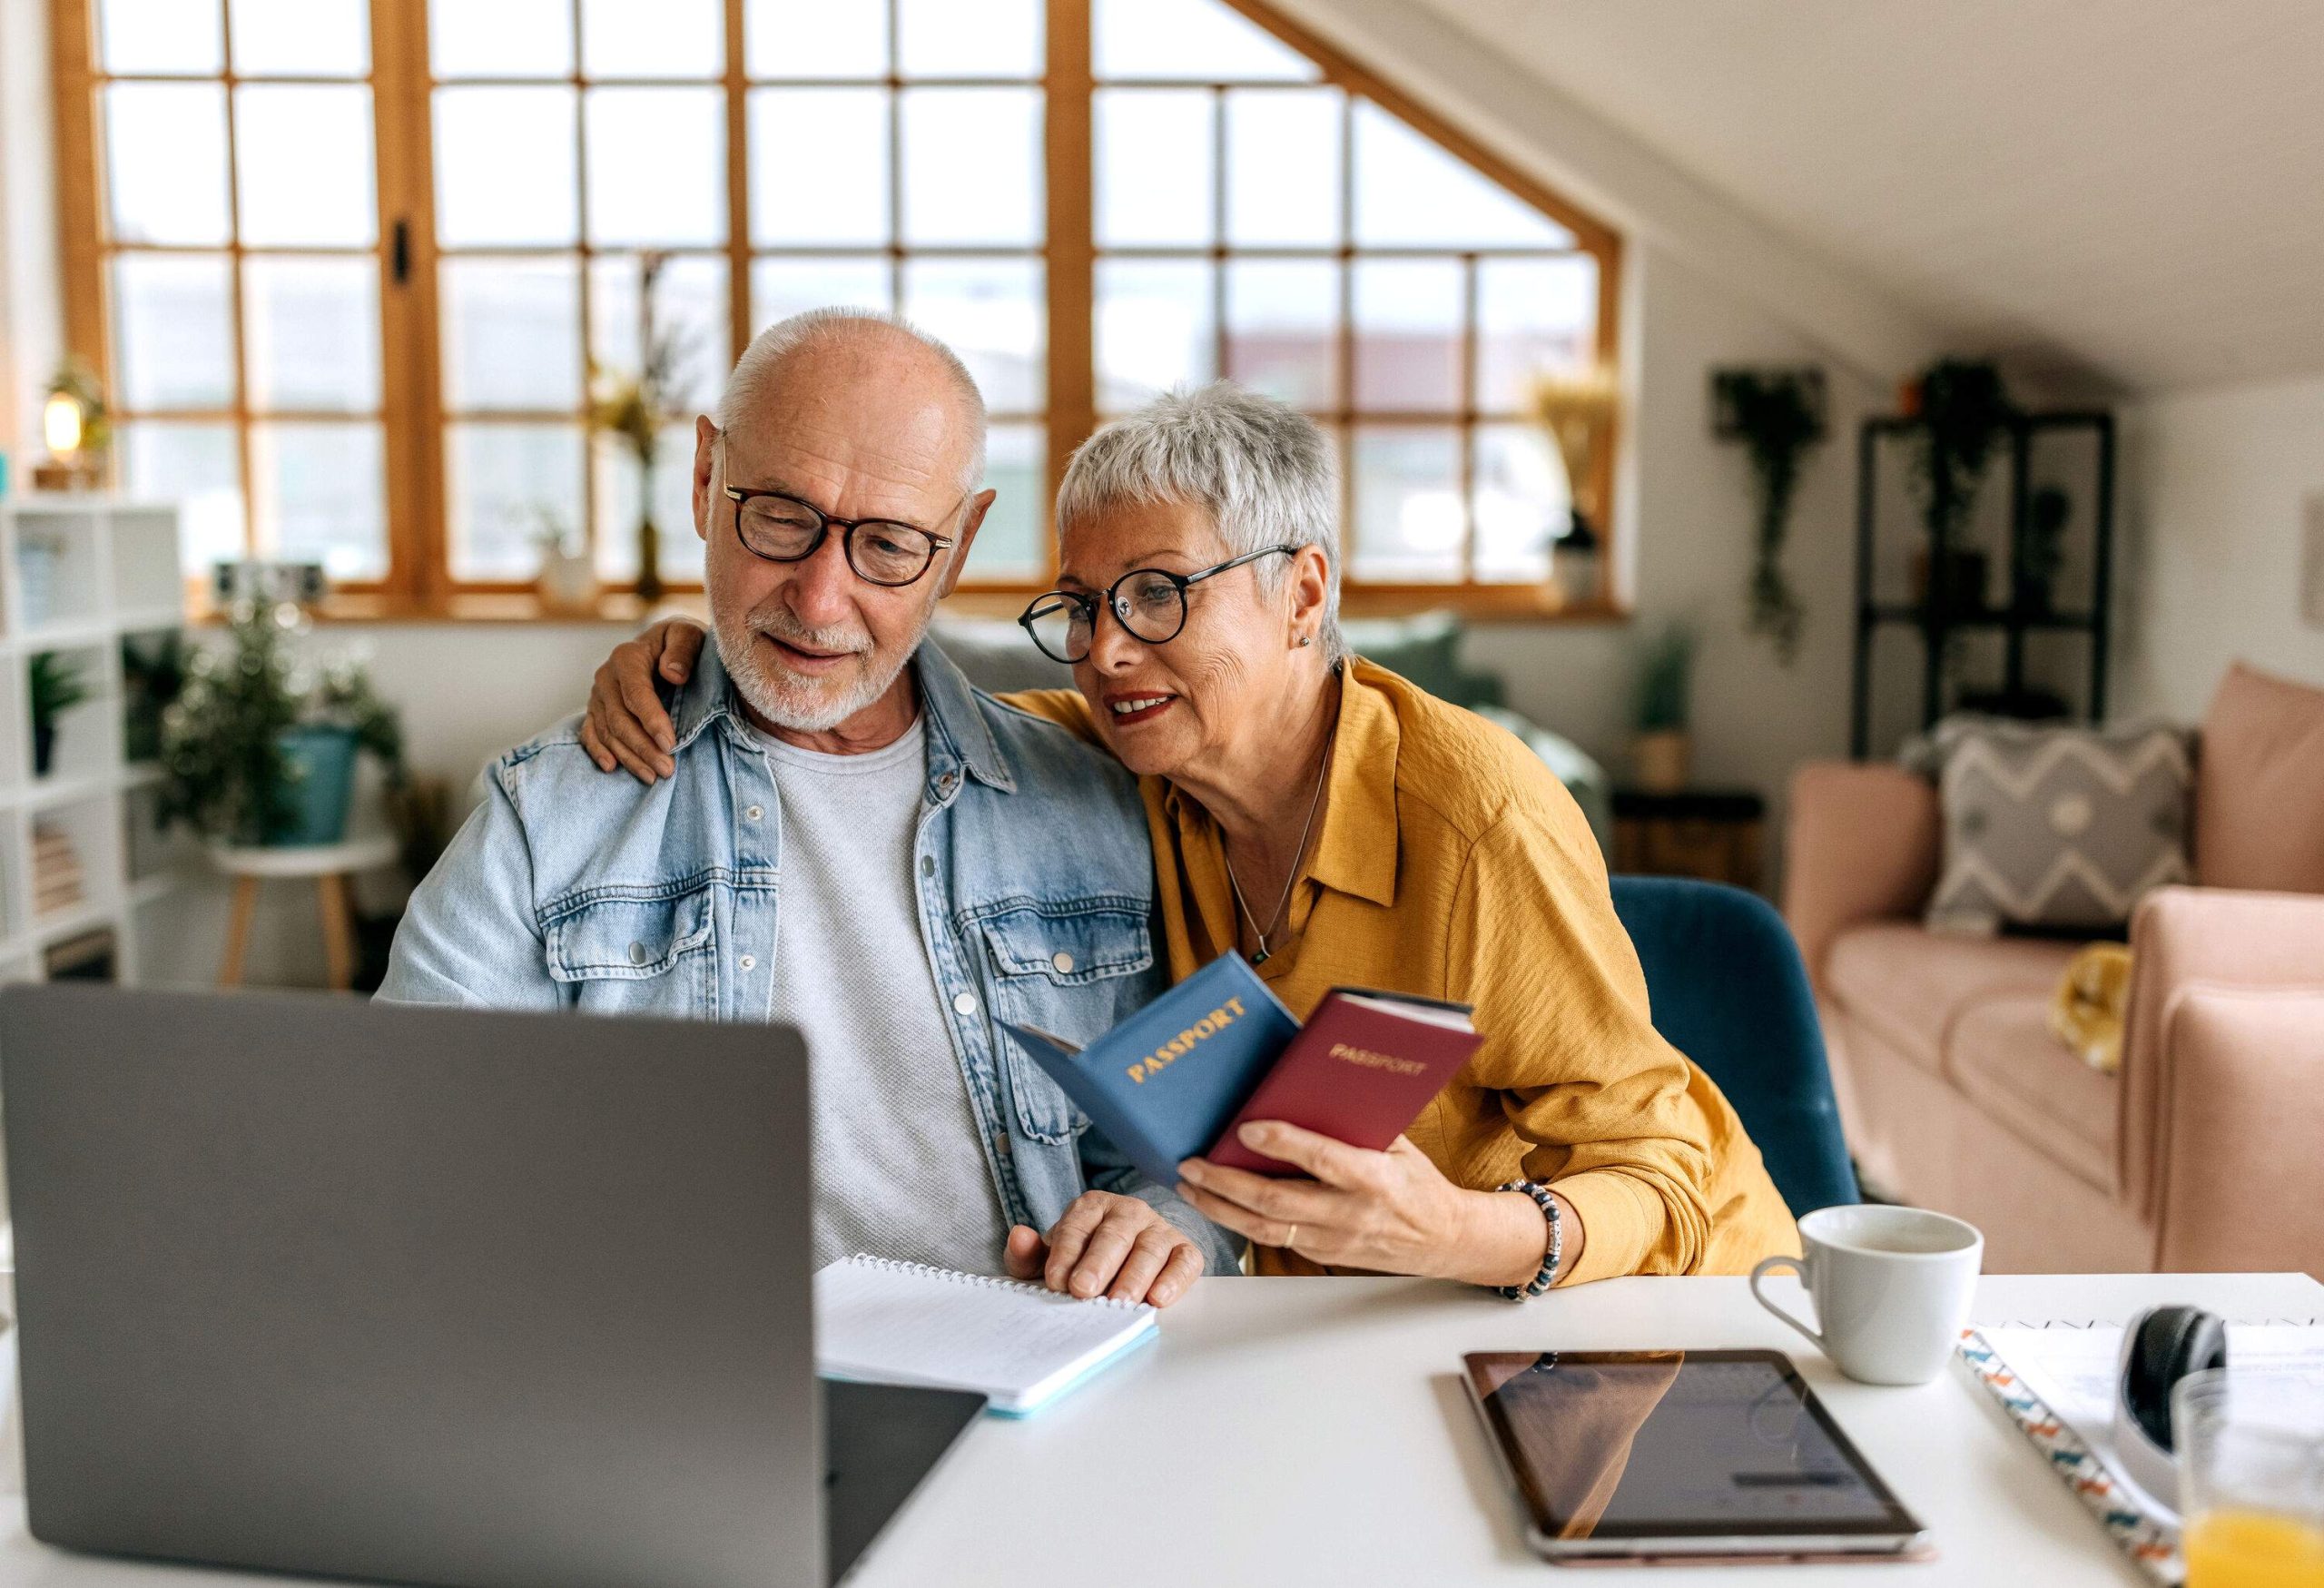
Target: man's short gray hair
(778, 341)
(1261, 469)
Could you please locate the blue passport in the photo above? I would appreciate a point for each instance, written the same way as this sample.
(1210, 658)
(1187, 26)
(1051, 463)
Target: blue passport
(1165, 1082)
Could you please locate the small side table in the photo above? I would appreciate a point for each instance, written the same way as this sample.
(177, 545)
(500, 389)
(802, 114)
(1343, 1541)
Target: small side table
(331, 865)
(1713, 834)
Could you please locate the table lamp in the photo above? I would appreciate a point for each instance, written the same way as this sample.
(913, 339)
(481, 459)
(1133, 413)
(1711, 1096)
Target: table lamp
(67, 421)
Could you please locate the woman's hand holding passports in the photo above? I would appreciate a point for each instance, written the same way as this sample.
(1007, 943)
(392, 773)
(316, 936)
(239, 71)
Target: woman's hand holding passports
(1392, 1212)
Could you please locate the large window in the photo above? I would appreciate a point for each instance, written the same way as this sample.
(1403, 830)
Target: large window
(351, 269)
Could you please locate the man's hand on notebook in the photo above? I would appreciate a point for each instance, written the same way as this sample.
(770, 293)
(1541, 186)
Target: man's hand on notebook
(1108, 1245)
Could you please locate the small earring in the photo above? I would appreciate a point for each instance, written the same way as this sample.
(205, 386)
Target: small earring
(1307, 639)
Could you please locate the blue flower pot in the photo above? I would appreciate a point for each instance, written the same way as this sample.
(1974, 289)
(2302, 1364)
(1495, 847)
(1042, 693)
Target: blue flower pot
(323, 760)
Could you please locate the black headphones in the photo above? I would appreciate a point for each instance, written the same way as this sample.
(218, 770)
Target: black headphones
(2161, 1345)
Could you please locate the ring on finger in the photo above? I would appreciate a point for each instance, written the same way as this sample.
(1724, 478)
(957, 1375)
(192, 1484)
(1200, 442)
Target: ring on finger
(1290, 1236)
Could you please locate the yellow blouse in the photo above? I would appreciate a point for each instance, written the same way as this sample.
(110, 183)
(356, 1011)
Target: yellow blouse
(1451, 864)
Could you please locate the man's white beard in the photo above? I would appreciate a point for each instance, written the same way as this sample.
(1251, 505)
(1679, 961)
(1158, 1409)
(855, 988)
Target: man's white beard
(803, 706)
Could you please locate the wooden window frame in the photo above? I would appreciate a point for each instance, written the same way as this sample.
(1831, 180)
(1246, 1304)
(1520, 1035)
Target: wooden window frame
(413, 413)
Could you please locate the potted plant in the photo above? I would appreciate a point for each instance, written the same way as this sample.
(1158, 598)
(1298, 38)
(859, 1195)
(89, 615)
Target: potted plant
(58, 684)
(1661, 750)
(633, 408)
(1778, 415)
(1964, 410)
(256, 750)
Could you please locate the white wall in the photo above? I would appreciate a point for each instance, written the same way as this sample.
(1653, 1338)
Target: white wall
(1686, 515)
(2219, 483)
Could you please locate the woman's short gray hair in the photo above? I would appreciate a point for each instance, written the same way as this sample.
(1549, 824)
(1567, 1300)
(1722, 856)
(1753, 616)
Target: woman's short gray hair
(1260, 467)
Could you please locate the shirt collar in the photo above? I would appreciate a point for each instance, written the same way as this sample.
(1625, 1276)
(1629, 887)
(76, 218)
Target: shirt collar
(957, 728)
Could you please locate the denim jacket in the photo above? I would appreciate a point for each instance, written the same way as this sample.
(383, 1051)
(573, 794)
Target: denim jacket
(571, 888)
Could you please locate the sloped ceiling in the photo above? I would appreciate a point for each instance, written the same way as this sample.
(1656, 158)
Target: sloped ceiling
(2127, 192)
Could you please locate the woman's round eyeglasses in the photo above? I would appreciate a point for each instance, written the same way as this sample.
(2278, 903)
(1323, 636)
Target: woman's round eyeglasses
(1150, 603)
(781, 528)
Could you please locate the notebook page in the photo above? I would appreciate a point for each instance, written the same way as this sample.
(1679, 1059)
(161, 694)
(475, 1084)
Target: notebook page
(903, 1323)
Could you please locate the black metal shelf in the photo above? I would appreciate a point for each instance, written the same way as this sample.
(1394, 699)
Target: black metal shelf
(1937, 619)
(2001, 617)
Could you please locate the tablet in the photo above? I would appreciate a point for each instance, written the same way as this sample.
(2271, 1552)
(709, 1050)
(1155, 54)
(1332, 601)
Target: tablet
(1639, 1454)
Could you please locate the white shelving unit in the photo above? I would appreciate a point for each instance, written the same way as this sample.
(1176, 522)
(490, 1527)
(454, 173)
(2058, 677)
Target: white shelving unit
(79, 575)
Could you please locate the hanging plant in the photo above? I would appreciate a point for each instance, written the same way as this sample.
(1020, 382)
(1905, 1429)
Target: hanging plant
(1778, 415)
(1964, 410)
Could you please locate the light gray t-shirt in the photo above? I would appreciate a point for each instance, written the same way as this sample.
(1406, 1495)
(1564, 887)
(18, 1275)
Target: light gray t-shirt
(899, 1171)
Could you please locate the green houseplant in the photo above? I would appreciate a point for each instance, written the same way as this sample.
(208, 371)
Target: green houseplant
(1665, 682)
(1778, 415)
(58, 684)
(258, 750)
(1965, 411)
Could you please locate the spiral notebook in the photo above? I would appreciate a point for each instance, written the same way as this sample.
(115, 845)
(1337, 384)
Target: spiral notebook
(2056, 1378)
(1019, 1345)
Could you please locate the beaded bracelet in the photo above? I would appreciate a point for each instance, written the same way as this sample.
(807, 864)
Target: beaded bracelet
(1553, 1256)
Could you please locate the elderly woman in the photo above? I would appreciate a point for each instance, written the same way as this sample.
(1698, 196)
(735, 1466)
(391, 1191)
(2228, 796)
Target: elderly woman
(1341, 827)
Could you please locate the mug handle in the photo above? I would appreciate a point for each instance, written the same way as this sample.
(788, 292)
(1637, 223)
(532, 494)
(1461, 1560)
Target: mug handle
(1766, 1265)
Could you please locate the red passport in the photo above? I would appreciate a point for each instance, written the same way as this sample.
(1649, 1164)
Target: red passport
(1360, 1070)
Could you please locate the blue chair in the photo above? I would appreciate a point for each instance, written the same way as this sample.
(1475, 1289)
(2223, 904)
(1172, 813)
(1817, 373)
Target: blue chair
(1730, 993)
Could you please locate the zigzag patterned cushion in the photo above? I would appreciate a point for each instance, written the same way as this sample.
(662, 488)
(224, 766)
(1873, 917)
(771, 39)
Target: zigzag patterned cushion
(2057, 827)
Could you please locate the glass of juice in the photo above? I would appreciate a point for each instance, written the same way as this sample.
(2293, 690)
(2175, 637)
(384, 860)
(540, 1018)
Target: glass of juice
(2251, 1449)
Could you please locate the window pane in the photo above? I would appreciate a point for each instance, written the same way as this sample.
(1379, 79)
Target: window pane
(814, 38)
(1190, 38)
(512, 334)
(1013, 542)
(506, 39)
(1154, 165)
(173, 330)
(1283, 329)
(970, 38)
(310, 331)
(1532, 316)
(505, 166)
(1520, 502)
(319, 495)
(302, 38)
(994, 315)
(690, 318)
(160, 35)
(1410, 190)
(819, 165)
(508, 485)
(166, 159)
(652, 38)
(196, 466)
(305, 153)
(972, 165)
(1407, 335)
(1408, 511)
(677, 549)
(1155, 329)
(1282, 167)
(657, 166)
(780, 287)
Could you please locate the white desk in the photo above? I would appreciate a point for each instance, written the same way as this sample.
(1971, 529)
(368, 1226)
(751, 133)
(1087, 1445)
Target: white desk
(1291, 1431)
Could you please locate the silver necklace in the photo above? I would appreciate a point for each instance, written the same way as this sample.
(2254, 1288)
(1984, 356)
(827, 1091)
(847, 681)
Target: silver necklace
(1313, 804)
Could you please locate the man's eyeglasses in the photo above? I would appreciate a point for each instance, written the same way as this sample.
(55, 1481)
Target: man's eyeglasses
(781, 528)
(1150, 603)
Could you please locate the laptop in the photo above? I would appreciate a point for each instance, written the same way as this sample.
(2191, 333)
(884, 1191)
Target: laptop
(431, 1296)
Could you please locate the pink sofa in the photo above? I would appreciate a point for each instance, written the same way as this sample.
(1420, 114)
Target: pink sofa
(2207, 1150)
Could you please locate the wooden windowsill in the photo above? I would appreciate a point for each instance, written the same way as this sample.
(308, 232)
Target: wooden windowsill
(1473, 603)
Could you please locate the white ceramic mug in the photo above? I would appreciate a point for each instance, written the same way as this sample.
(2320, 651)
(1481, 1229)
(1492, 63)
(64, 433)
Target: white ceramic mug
(1891, 1287)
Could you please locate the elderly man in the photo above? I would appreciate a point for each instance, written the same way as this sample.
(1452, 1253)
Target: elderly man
(843, 836)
